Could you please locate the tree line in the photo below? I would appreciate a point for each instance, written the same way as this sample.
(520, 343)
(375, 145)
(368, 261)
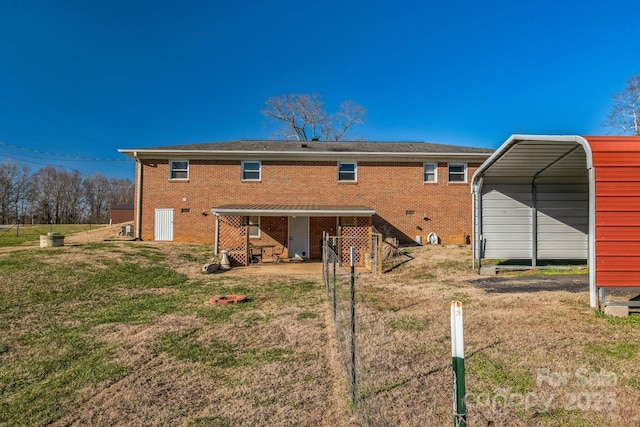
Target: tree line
(54, 196)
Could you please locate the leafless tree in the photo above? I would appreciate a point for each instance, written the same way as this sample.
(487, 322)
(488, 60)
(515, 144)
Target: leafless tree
(53, 195)
(625, 113)
(14, 189)
(58, 196)
(96, 190)
(304, 118)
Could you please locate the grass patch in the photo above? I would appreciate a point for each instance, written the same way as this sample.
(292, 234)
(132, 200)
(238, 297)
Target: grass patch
(562, 417)
(42, 374)
(50, 352)
(617, 351)
(425, 276)
(27, 234)
(494, 374)
(452, 265)
(185, 345)
(463, 297)
(306, 315)
(409, 323)
(215, 421)
(545, 272)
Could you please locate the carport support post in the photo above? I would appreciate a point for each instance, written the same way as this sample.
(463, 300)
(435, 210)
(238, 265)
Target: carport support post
(457, 351)
(534, 223)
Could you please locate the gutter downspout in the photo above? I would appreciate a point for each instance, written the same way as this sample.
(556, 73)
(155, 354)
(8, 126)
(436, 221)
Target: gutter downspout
(138, 194)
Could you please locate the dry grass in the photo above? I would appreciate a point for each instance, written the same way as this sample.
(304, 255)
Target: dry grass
(536, 353)
(274, 361)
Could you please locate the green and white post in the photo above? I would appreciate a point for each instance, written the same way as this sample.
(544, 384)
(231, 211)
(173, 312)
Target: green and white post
(457, 351)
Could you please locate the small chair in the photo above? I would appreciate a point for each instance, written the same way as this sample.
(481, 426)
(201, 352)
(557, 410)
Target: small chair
(255, 254)
(276, 256)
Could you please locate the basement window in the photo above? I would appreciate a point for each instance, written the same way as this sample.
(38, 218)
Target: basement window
(179, 169)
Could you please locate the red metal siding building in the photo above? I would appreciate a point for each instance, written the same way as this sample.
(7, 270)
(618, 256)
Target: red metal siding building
(616, 161)
(122, 213)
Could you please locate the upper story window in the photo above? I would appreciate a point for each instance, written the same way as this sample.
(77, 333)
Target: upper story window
(178, 169)
(457, 172)
(430, 172)
(251, 170)
(347, 172)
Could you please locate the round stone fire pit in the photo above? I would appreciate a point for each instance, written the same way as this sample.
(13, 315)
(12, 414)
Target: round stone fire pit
(227, 299)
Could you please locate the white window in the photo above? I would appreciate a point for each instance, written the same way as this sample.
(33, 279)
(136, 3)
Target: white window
(347, 172)
(430, 172)
(178, 169)
(251, 170)
(254, 227)
(457, 172)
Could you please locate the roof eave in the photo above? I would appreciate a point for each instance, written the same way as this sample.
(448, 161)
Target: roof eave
(226, 154)
(292, 212)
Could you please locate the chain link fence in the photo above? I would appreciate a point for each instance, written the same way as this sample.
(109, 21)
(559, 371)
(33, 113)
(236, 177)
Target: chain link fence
(383, 360)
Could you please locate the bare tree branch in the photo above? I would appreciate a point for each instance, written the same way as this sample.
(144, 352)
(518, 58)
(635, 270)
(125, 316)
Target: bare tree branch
(304, 118)
(625, 113)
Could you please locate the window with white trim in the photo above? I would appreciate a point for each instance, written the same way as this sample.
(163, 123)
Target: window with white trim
(457, 172)
(254, 227)
(347, 172)
(178, 169)
(430, 172)
(251, 170)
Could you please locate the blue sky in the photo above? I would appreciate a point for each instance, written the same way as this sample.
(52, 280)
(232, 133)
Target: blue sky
(80, 79)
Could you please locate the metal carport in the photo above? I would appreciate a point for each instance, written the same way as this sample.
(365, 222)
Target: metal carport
(562, 197)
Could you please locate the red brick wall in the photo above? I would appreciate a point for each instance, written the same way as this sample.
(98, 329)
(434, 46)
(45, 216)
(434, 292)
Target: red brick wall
(119, 216)
(274, 230)
(393, 189)
(316, 227)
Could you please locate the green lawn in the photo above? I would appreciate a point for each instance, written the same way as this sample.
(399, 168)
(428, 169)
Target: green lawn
(81, 321)
(14, 235)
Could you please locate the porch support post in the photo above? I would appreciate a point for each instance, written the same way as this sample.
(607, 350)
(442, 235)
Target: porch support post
(216, 241)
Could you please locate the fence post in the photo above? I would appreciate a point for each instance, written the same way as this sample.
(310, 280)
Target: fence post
(325, 265)
(457, 351)
(380, 253)
(353, 324)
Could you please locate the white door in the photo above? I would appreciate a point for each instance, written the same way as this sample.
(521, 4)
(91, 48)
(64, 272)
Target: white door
(163, 225)
(299, 236)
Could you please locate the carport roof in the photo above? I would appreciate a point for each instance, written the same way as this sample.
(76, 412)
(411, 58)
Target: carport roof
(529, 155)
(291, 210)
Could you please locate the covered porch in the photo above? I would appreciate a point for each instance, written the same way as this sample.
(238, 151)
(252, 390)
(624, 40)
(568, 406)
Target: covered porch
(252, 233)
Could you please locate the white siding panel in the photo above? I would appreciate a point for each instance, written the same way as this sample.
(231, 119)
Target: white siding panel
(563, 221)
(506, 221)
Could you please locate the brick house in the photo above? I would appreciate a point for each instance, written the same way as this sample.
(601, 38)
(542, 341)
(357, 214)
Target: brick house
(286, 194)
